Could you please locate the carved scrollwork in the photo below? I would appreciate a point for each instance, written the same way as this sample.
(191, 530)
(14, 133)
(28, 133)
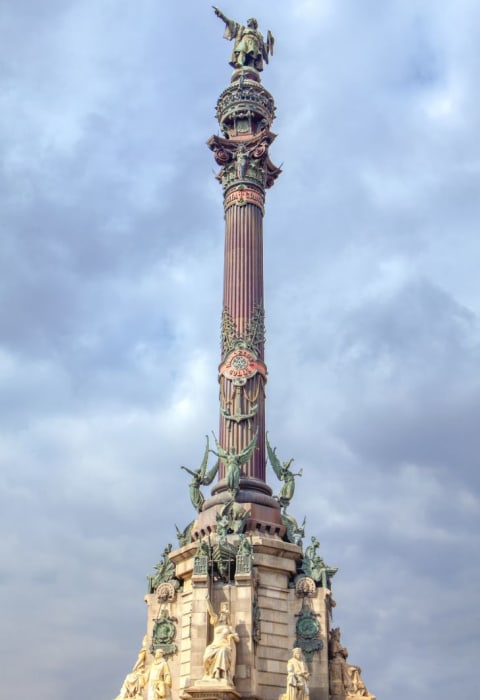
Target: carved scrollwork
(245, 162)
(222, 156)
(305, 587)
(245, 98)
(166, 592)
(260, 150)
(254, 337)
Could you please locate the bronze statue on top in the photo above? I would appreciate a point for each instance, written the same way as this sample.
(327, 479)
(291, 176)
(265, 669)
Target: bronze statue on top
(250, 50)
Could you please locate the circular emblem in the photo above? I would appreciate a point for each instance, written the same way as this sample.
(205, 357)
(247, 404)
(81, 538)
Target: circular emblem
(163, 631)
(165, 591)
(305, 587)
(308, 627)
(241, 364)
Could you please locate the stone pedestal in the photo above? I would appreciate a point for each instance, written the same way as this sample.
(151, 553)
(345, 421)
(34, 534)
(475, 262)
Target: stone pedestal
(213, 690)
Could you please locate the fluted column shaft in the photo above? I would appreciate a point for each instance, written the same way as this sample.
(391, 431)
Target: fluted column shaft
(243, 299)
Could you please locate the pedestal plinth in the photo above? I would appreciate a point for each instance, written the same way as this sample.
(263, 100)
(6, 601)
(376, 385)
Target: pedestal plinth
(207, 689)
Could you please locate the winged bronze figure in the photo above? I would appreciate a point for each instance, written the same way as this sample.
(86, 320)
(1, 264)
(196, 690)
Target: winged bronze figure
(233, 462)
(201, 477)
(283, 473)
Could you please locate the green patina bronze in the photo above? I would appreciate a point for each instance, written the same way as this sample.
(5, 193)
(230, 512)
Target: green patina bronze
(294, 532)
(165, 571)
(201, 559)
(233, 463)
(254, 337)
(185, 536)
(201, 477)
(283, 473)
(244, 559)
(164, 631)
(250, 49)
(308, 632)
(314, 566)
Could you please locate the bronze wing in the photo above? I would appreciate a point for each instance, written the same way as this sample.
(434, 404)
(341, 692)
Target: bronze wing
(247, 452)
(203, 465)
(210, 475)
(274, 461)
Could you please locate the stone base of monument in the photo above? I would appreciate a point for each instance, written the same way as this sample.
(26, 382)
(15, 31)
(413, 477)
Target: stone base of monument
(352, 695)
(210, 689)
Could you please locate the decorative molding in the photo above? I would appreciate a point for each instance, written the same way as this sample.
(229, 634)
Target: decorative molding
(243, 195)
(245, 161)
(254, 337)
(164, 632)
(308, 632)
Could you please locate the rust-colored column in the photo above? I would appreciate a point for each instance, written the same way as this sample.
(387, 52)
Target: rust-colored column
(243, 301)
(245, 111)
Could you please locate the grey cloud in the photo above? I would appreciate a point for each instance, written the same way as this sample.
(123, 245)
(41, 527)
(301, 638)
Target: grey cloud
(111, 250)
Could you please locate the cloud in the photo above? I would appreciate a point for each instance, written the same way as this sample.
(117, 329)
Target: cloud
(111, 255)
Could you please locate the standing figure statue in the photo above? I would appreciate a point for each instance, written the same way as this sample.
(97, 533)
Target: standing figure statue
(220, 656)
(158, 678)
(250, 49)
(201, 478)
(297, 677)
(233, 463)
(314, 566)
(283, 473)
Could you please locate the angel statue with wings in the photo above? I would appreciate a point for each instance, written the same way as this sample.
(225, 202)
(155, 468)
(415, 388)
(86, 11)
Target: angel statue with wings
(249, 49)
(200, 477)
(283, 473)
(233, 463)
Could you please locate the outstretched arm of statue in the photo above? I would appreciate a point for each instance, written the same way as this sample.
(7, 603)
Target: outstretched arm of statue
(220, 14)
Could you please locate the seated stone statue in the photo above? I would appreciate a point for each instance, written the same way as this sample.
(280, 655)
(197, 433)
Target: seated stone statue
(356, 686)
(131, 688)
(345, 679)
(133, 683)
(219, 658)
(297, 677)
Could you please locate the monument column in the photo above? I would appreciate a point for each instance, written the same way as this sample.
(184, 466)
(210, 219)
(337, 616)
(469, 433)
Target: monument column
(245, 112)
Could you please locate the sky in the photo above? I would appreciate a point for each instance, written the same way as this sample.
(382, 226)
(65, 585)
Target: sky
(111, 251)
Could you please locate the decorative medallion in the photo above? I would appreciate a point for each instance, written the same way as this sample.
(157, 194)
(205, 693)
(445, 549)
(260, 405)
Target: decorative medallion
(305, 587)
(254, 336)
(308, 631)
(166, 592)
(242, 377)
(240, 197)
(241, 364)
(164, 632)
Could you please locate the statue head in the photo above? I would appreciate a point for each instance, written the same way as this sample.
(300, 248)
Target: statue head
(159, 654)
(224, 613)
(252, 23)
(297, 652)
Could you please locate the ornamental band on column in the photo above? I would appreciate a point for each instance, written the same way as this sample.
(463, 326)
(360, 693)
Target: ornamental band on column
(241, 608)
